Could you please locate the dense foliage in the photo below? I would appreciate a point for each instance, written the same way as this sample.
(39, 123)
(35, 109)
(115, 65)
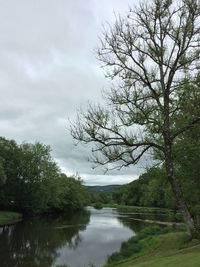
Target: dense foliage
(100, 195)
(30, 180)
(187, 158)
(150, 190)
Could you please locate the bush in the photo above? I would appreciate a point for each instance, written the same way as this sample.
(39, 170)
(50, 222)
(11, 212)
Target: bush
(98, 206)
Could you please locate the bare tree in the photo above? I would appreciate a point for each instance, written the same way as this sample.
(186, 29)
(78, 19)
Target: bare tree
(150, 55)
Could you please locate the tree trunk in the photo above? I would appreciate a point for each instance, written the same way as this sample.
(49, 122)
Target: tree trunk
(178, 194)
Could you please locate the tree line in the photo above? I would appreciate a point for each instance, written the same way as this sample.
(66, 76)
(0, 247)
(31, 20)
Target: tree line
(31, 181)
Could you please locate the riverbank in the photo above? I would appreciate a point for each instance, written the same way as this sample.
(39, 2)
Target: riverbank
(9, 217)
(165, 250)
(148, 213)
(139, 209)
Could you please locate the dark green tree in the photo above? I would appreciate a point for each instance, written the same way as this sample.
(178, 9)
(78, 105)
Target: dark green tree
(187, 158)
(150, 56)
(36, 176)
(2, 174)
(10, 161)
(31, 182)
(71, 195)
(151, 189)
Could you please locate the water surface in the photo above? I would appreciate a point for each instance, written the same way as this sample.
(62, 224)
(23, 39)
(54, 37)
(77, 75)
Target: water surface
(76, 240)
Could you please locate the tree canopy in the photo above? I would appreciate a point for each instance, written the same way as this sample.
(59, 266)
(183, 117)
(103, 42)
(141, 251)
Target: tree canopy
(31, 181)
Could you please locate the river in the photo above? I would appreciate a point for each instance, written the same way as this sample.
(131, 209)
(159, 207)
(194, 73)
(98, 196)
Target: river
(75, 240)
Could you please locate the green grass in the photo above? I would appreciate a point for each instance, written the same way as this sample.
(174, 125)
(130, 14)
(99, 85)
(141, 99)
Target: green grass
(166, 250)
(9, 217)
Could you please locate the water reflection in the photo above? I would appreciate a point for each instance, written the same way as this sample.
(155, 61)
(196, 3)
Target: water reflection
(75, 240)
(35, 242)
(102, 237)
(134, 225)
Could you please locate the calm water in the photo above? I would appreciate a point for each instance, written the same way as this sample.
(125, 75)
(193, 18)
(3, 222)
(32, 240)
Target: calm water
(87, 237)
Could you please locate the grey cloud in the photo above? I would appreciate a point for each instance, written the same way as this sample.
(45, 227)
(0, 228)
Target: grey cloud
(48, 69)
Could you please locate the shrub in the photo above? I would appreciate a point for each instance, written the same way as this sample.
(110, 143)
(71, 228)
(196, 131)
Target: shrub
(98, 206)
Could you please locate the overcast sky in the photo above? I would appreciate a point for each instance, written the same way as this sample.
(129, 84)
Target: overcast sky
(48, 69)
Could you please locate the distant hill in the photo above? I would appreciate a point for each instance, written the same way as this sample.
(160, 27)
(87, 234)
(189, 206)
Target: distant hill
(102, 189)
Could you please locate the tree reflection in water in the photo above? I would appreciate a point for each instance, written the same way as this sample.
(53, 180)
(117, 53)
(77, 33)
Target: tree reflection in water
(35, 242)
(127, 219)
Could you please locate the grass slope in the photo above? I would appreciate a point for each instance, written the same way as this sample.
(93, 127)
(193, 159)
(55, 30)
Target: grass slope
(8, 217)
(167, 250)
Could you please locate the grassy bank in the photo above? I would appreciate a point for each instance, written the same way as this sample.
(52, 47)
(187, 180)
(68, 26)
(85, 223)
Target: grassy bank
(8, 217)
(165, 250)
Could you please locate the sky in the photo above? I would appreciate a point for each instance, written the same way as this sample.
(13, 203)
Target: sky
(48, 69)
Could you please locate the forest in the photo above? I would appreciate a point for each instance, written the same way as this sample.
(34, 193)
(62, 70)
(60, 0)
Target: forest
(32, 183)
